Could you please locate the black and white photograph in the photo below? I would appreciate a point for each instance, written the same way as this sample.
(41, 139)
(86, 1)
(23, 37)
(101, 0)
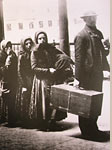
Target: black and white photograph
(55, 75)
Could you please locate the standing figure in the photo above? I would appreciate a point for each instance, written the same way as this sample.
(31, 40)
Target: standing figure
(90, 61)
(8, 76)
(25, 79)
(50, 66)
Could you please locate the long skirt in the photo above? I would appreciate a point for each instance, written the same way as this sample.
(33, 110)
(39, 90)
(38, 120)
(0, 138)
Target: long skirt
(40, 108)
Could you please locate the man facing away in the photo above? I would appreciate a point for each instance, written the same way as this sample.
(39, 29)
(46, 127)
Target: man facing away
(90, 60)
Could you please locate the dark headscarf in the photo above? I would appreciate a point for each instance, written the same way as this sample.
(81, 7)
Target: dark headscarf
(37, 34)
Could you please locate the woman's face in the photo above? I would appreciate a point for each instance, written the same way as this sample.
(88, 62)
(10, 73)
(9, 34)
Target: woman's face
(41, 38)
(28, 45)
(8, 48)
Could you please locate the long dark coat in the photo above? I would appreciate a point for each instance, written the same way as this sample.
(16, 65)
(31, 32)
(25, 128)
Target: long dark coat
(90, 59)
(25, 80)
(8, 80)
(41, 61)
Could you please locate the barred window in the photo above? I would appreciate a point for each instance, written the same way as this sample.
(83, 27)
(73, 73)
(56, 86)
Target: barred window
(31, 25)
(50, 23)
(41, 24)
(20, 26)
(8, 27)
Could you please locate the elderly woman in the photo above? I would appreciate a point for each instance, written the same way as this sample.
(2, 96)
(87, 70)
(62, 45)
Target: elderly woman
(8, 77)
(25, 78)
(47, 64)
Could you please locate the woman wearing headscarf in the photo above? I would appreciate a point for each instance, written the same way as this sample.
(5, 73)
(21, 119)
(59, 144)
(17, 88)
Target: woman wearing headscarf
(8, 78)
(25, 78)
(47, 64)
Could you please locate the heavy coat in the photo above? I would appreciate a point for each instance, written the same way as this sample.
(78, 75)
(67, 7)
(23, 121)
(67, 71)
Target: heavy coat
(8, 77)
(41, 61)
(25, 72)
(25, 80)
(8, 74)
(90, 61)
(90, 58)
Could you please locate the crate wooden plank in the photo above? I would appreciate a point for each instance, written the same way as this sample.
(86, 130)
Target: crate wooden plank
(86, 103)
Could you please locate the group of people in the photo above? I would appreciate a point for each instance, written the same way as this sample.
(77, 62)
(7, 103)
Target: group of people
(26, 80)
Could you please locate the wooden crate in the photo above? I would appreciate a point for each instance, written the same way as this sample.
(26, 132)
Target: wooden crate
(86, 103)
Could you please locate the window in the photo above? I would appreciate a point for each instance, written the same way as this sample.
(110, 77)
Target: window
(8, 27)
(20, 26)
(41, 24)
(50, 23)
(31, 25)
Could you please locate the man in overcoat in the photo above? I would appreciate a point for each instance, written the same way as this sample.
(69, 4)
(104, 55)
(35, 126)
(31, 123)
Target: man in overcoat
(90, 62)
